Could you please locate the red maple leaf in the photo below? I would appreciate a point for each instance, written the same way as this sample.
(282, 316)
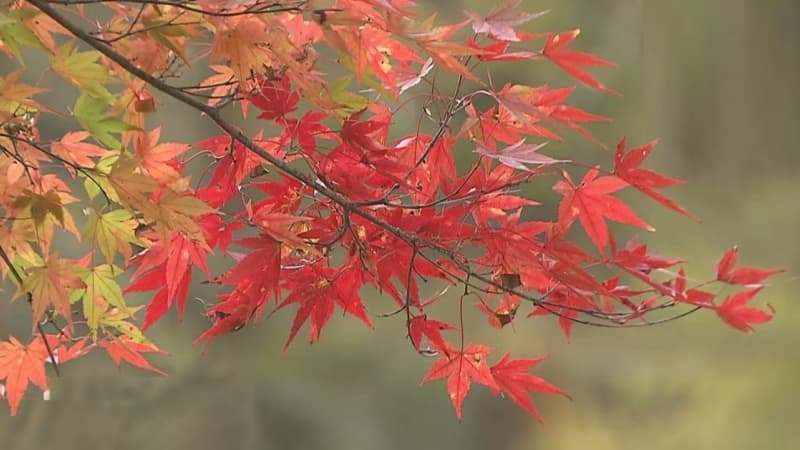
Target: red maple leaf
(420, 326)
(742, 275)
(513, 380)
(461, 368)
(274, 99)
(122, 348)
(317, 290)
(626, 167)
(692, 296)
(572, 61)
(497, 52)
(358, 134)
(735, 312)
(591, 202)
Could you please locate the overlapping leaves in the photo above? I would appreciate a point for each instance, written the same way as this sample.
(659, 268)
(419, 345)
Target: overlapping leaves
(356, 203)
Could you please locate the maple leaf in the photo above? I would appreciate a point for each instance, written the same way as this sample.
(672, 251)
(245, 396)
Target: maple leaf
(512, 379)
(179, 212)
(555, 48)
(735, 312)
(317, 290)
(19, 365)
(284, 228)
(692, 296)
(82, 70)
(357, 134)
(519, 154)
(274, 99)
(157, 160)
(112, 232)
(90, 113)
(14, 95)
(43, 26)
(123, 348)
(434, 42)
(420, 326)
(591, 202)
(626, 167)
(497, 52)
(71, 147)
(635, 256)
(242, 41)
(49, 284)
(101, 291)
(222, 83)
(40, 206)
(501, 20)
(461, 368)
(742, 275)
(505, 312)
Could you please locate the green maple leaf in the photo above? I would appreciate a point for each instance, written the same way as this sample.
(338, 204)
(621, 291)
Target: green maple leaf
(118, 319)
(101, 291)
(82, 70)
(14, 33)
(90, 114)
(112, 232)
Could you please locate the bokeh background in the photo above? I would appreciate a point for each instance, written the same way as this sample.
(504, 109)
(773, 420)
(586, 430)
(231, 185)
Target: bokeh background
(717, 81)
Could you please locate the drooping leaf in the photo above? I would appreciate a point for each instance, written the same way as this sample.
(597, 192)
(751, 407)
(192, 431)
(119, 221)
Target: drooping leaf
(102, 291)
(19, 365)
(461, 369)
(420, 326)
(513, 380)
(123, 348)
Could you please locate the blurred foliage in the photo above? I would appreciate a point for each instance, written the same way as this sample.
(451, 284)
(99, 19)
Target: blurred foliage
(717, 81)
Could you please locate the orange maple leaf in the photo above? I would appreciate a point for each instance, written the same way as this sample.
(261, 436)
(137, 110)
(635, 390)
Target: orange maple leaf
(20, 364)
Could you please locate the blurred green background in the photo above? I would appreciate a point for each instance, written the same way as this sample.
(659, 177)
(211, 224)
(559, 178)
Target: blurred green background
(717, 80)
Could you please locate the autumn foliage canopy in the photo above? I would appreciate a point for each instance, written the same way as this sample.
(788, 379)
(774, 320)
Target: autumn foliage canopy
(331, 197)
